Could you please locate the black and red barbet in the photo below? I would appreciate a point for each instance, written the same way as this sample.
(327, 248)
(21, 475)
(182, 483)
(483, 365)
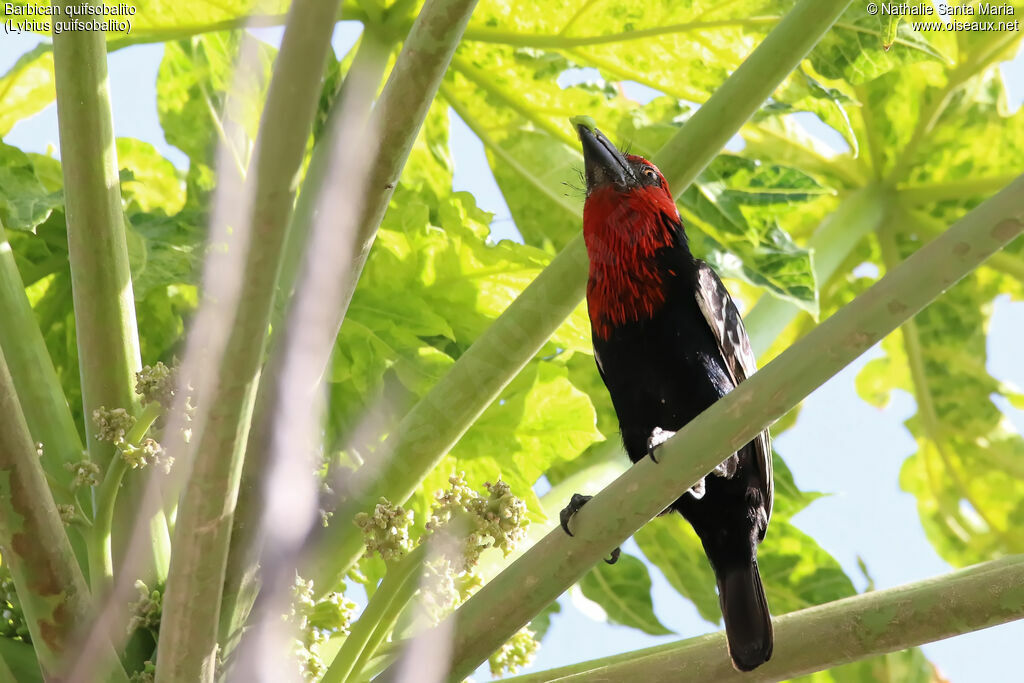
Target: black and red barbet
(669, 342)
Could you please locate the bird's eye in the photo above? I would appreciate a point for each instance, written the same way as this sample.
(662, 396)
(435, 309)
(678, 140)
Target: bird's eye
(649, 173)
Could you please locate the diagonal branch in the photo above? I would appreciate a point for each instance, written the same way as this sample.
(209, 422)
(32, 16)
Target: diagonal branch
(441, 417)
(489, 618)
(832, 634)
(241, 580)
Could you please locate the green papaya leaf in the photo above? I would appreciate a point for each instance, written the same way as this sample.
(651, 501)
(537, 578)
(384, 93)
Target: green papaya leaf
(623, 590)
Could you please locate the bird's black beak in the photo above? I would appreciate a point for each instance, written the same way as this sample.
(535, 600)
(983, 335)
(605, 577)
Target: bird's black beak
(604, 163)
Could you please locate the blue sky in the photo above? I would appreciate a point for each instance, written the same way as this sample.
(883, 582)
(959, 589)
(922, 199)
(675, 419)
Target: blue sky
(840, 444)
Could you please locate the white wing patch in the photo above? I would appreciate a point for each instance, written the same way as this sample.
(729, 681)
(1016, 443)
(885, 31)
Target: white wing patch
(726, 324)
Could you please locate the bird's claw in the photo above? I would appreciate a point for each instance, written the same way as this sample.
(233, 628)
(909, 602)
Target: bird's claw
(658, 436)
(577, 501)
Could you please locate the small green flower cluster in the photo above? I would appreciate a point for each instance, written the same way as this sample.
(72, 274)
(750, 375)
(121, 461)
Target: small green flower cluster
(156, 384)
(68, 513)
(12, 618)
(147, 610)
(112, 425)
(515, 654)
(149, 452)
(467, 522)
(386, 531)
(87, 473)
(316, 621)
(497, 520)
(504, 516)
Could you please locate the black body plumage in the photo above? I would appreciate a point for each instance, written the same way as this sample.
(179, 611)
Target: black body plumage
(665, 366)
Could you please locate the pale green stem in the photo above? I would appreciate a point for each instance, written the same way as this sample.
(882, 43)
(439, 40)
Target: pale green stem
(188, 633)
(101, 561)
(241, 580)
(40, 394)
(392, 595)
(46, 409)
(108, 342)
(49, 583)
(829, 635)
(1003, 261)
(916, 195)
(440, 418)
(489, 618)
(397, 117)
(105, 327)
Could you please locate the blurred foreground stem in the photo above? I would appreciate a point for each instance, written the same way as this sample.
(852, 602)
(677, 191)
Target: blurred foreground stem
(188, 634)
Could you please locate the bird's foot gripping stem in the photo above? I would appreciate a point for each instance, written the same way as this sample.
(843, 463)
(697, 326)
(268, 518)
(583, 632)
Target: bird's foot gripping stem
(577, 501)
(657, 437)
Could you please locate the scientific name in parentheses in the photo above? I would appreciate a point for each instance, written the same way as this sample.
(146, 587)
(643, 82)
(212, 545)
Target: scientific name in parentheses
(119, 10)
(906, 9)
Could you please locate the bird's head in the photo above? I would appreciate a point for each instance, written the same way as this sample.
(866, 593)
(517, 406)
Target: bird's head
(628, 199)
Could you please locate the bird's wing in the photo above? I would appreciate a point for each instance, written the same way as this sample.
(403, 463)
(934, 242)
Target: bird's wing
(726, 324)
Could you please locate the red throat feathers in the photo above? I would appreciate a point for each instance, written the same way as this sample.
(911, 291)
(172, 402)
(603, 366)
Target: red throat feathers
(623, 232)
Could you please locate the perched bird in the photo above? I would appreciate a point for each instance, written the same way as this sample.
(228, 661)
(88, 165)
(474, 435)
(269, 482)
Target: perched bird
(669, 342)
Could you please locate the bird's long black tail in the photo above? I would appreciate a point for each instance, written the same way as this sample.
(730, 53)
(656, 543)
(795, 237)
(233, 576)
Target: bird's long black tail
(748, 624)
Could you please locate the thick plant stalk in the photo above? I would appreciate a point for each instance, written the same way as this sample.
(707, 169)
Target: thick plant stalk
(35, 548)
(35, 381)
(101, 284)
(489, 618)
(441, 417)
(108, 340)
(829, 635)
(857, 216)
(188, 634)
